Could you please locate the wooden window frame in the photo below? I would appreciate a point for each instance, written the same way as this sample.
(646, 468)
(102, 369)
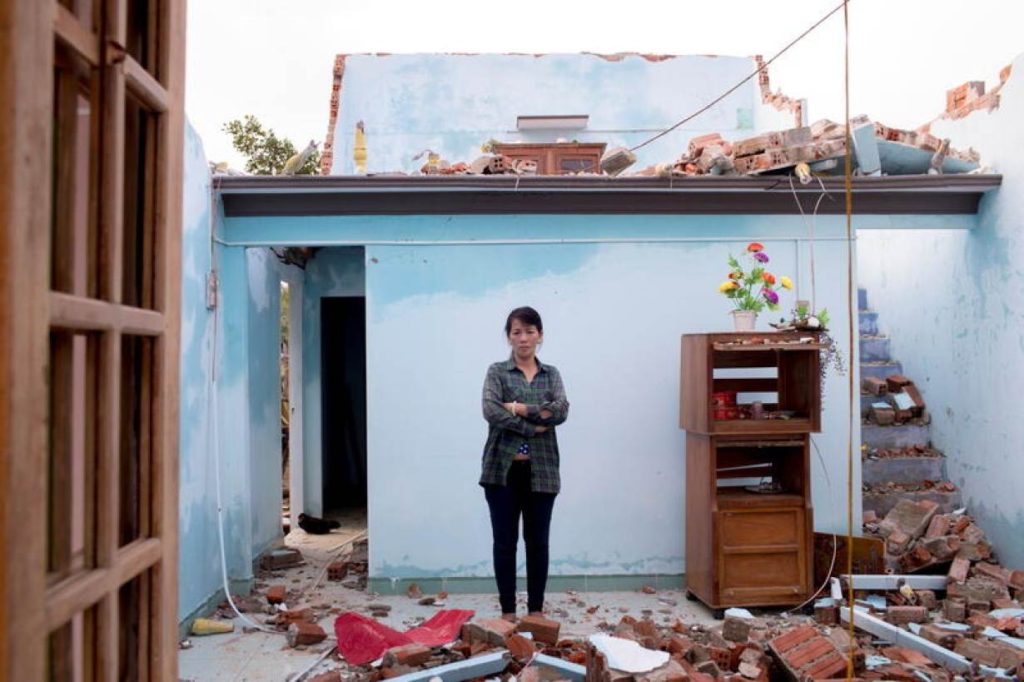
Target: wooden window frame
(33, 604)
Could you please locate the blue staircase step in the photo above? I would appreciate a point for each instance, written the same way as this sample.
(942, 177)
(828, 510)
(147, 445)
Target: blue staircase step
(874, 349)
(880, 370)
(890, 437)
(902, 470)
(881, 501)
(862, 299)
(869, 322)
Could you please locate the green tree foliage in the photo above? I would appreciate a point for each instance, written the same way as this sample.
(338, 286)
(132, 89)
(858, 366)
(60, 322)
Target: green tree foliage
(264, 151)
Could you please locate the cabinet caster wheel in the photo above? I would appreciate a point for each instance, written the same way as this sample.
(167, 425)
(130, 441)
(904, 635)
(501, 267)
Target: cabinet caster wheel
(690, 596)
(718, 614)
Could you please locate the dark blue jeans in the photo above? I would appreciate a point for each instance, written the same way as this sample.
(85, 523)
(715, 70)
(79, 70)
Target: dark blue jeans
(508, 503)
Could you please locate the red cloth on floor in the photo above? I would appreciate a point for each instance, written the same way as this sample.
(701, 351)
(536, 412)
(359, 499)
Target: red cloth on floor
(362, 639)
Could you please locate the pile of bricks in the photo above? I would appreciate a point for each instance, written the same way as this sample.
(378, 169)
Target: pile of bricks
(488, 164)
(896, 400)
(918, 537)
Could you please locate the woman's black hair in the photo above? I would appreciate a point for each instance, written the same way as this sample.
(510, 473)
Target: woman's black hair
(526, 315)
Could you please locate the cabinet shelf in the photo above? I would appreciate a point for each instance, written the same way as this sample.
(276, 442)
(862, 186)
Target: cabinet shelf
(747, 548)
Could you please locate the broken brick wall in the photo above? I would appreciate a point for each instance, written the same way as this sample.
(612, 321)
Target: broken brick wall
(952, 301)
(452, 103)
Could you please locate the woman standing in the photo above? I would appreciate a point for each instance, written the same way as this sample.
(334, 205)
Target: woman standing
(523, 401)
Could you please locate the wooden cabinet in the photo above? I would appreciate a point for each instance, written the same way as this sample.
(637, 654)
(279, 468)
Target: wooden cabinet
(557, 158)
(749, 519)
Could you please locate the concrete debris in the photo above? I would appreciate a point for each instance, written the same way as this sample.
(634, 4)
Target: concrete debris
(878, 150)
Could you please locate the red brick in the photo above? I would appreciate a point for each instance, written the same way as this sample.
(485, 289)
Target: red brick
(736, 629)
(900, 615)
(808, 652)
(909, 517)
(294, 616)
(304, 634)
(826, 615)
(520, 647)
(721, 657)
(883, 415)
(915, 559)
(670, 672)
(829, 666)
(942, 548)
(793, 638)
(997, 573)
(958, 570)
(874, 386)
(938, 527)
(332, 676)
(972, 533)
(280, 558)
(645, 628)
(895, 382)
(897, 542)
(915, 395)
(1017, 579)
(337, 571)
(408, 654)
(906, 655)
(698, 143)
(492, 631)
(276, 594)
(927, 599)
(543, 629)
(944, 638)
(979, 652)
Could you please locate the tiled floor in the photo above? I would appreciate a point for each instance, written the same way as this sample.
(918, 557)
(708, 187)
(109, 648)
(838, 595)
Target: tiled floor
(258, 656)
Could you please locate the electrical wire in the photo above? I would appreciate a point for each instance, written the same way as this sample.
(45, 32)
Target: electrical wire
(762, 67)
(848, 190)
(835, 538)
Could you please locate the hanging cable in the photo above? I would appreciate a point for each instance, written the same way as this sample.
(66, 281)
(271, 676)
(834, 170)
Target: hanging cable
(762, 67)
(728, 92)
(848, 189)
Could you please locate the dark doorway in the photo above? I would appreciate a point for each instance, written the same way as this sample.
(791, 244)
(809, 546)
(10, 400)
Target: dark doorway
(343, 390)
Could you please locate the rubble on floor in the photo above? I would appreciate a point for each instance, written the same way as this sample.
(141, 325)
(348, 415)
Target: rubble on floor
(966, 625)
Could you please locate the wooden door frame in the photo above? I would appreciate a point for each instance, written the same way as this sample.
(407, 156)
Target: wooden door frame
(296, 462)
(26, 78)
(30, 608)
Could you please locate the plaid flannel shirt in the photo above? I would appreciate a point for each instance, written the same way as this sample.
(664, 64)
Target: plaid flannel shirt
(506, 383)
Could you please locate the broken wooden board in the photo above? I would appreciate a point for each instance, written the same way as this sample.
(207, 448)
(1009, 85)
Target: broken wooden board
(868, 555)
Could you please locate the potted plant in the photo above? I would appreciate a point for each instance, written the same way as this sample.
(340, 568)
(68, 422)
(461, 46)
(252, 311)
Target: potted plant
(752, 289)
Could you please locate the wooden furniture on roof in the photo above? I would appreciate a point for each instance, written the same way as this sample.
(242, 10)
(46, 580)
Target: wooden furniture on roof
(556, 158)
(744, 546)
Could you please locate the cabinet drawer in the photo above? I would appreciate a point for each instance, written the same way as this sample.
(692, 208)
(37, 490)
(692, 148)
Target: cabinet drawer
(760, 528)
(762, 578)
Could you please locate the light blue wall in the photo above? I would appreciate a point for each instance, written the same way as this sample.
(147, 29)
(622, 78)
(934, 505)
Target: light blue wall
(954, 304)
(264, 276)
(616, 296)
(229, 411)
(333, 272)
(454, 103)
(199, 563)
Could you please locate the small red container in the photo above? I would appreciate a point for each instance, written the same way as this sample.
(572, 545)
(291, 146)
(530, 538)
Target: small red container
(720, 413)
(723, 399)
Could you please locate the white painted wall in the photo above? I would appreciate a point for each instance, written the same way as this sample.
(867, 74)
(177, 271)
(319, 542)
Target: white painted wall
(954, 304)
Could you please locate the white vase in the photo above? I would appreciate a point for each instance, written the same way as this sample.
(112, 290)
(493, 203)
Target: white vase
(744, 320)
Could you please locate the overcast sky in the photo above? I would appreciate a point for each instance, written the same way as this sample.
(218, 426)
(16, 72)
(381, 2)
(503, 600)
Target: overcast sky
(273, 58)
